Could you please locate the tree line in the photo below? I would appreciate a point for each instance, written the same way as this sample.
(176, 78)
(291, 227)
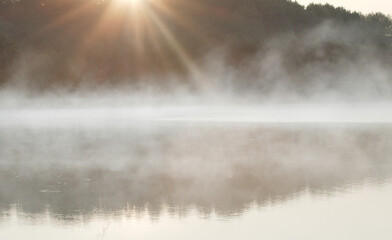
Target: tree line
(64, 42)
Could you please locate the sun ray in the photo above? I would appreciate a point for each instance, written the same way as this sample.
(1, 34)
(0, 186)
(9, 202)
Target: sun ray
(141, 27)
(172, 41)
(185, 20)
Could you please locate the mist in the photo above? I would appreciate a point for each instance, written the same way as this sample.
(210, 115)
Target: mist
(331, 63)
(239, 113)
(213, 168)
(350, 83)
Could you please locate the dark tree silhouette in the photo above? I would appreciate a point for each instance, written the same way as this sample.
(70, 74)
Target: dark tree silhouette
(73, 39)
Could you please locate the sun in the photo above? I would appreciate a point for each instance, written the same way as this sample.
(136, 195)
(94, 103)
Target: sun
(131, 2)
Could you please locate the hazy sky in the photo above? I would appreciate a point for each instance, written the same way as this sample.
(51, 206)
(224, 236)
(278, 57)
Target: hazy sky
(365, 6)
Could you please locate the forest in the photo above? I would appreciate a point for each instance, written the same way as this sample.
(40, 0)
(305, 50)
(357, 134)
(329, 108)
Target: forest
(66, 42)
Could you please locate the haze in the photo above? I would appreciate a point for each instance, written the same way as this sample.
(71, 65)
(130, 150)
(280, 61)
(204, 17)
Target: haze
(195, 119)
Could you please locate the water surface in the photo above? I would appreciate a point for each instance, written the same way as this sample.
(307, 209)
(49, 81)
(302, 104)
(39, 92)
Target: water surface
(196, 181)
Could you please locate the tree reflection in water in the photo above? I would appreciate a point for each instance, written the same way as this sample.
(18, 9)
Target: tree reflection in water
(221, 169)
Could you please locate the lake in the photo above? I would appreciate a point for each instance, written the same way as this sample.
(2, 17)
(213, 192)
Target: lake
(200, 180)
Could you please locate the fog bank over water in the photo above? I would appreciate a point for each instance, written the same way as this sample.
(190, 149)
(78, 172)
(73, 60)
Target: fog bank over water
(332, 62)
(219, 138)
(111, 118)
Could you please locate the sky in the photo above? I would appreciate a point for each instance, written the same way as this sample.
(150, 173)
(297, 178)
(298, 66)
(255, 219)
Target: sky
(364, 6)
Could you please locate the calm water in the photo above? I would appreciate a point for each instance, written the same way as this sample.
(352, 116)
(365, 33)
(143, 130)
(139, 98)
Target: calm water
(196, 181)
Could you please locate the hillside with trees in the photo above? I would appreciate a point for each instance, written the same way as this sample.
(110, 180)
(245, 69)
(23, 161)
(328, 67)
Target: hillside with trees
(65, 42)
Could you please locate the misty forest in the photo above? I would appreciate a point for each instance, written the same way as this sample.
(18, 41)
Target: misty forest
(45, 44)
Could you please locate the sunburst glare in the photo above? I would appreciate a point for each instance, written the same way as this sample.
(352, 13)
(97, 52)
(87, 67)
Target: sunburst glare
(130, 3)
